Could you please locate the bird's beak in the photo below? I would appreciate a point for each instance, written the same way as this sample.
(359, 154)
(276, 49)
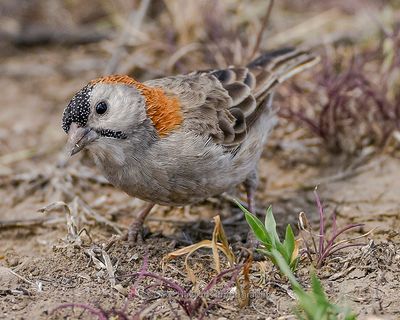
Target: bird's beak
(79, 138)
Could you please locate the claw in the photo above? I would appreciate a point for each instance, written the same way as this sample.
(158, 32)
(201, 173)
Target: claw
(135, 233)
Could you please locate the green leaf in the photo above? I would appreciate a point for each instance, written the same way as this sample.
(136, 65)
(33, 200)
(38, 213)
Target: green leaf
(307, 304)
(319, 294)
(293, 264)
(256, 225)
(316, 287)
(314, 304)
(270, 226)
(349, 315)
(265, 252)
(290, 244)
(282, 250)
(285, 269)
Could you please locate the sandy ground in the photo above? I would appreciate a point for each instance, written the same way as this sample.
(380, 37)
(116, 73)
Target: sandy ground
(42, 266)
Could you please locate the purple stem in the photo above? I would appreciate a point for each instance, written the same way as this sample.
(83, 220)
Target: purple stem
(329, 246)
(321, 224)
(132, 293)
(351, 226)
(190, 306)
(142, 270)
(172, 285)
(235, 271)
(213, 282)
(329, 252)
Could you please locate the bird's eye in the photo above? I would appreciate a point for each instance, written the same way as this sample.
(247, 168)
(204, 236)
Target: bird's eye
(101, 107)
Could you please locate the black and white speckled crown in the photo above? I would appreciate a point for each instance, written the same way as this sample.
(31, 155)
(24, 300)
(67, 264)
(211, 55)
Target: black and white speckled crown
(78, 109)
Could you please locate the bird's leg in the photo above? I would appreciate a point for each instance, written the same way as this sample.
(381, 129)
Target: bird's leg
(251, 200)
(136, 228)
(250, 185)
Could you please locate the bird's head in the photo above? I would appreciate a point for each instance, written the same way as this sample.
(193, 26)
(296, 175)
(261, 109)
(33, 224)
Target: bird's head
(116, 108)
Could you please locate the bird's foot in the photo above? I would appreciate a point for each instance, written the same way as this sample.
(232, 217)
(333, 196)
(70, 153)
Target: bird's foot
(135, 232)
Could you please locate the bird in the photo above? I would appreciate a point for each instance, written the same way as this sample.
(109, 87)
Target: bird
(181, 139)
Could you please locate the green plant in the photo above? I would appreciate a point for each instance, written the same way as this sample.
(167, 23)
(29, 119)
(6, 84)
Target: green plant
(313, 305)
(267, 235)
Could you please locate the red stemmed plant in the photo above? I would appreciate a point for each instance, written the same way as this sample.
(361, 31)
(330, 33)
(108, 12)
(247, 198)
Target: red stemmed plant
(324, 245)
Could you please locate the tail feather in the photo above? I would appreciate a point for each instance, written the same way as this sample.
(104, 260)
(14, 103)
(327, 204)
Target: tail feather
(269, 56)
(277, 66)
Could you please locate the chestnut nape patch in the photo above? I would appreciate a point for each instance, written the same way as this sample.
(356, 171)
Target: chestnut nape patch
(164, 111)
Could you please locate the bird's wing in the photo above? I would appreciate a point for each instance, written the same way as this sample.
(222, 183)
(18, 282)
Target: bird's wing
(224, 103)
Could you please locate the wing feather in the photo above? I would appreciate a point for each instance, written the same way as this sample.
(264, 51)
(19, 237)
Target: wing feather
(224, 104)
